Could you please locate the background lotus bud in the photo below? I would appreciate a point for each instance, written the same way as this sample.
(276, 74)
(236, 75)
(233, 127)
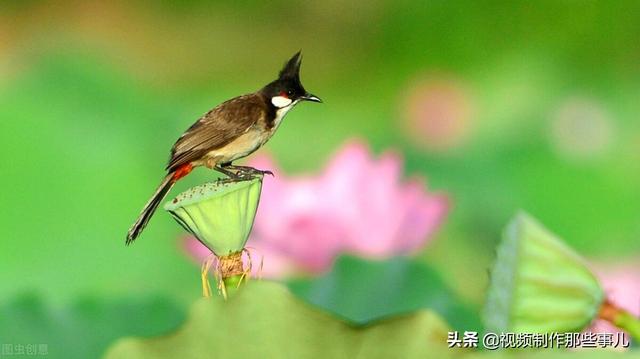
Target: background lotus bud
(539, 284)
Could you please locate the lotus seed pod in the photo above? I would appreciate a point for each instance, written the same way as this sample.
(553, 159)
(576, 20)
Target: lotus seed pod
(539, 284)
(219, 214)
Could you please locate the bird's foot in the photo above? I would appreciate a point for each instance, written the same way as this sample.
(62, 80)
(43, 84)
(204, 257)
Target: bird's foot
(227, 172)
(246, 171)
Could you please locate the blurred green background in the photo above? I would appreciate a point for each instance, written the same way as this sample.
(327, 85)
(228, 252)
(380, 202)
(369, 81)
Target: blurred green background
(93, 94)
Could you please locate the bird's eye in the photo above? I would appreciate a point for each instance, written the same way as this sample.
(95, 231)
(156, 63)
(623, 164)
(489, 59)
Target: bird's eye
(289, 92)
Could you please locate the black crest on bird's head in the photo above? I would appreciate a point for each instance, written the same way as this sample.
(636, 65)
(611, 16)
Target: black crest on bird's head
(291, 69)
(288, 85)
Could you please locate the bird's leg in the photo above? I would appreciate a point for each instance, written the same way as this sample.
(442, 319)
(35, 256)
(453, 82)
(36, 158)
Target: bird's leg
(211, 164)
(248, 170)
(226, 172)
(240, 171)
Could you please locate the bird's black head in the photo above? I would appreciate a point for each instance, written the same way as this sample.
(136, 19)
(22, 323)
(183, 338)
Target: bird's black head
(288, 89)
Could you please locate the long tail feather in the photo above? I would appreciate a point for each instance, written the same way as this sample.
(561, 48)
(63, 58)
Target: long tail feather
(151, 207)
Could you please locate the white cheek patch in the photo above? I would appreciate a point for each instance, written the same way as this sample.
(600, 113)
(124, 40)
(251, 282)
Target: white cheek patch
(280, 101)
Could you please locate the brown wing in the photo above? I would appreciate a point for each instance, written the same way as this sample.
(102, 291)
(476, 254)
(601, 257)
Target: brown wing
(216, 129)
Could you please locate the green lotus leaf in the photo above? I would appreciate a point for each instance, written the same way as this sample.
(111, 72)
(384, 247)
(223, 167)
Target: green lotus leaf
(266, 321)
(219, 214)
(82, 328)
(539, 284)
(362, 290)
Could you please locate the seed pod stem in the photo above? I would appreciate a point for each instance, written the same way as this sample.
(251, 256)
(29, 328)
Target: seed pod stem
(621, 319)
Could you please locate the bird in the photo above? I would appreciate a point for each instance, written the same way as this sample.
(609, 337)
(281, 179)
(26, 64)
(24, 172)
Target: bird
(232, 130)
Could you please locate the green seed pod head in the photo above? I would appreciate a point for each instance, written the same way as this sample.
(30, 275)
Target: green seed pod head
(219, 214)
(539, 284)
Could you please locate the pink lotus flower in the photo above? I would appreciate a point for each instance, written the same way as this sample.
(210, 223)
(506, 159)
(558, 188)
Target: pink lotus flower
(357, 205)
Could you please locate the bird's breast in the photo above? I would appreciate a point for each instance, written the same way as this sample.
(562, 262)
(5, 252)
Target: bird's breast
(242, 146)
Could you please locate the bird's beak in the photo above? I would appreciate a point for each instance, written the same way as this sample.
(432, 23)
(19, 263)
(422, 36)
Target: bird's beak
(312, 98)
